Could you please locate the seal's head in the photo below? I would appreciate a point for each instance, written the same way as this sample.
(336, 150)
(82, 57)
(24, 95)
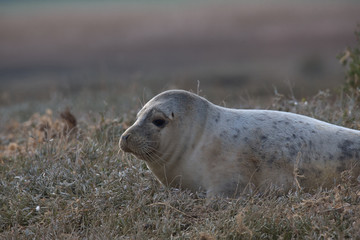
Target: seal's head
(156, 132)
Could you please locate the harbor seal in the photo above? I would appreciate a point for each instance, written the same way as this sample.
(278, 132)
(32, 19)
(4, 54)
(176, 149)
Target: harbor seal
(191, 143)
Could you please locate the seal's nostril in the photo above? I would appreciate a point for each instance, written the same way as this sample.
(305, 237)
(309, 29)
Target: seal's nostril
(125, 137)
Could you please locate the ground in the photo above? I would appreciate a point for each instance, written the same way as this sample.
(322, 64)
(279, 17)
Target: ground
(63, 176)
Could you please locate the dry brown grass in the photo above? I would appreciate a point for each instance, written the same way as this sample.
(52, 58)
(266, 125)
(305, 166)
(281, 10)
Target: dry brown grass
(58, 183)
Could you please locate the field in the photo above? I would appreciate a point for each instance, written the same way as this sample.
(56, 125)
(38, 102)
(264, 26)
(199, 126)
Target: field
(63, 176)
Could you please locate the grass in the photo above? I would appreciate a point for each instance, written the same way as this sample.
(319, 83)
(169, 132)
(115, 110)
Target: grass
(61, 181)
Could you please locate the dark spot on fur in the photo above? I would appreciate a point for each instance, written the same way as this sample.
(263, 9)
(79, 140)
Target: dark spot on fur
(236, 135)
(347, 150)
(293, 150)
(263, 138)
(271, 160)
(313, 131)
(217, 117)
(294, 136)
(287, 139)
(330, 157)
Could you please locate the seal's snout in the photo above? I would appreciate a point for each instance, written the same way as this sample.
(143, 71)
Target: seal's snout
(124, 142)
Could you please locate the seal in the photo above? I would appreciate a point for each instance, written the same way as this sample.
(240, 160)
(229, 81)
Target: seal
(191, 143)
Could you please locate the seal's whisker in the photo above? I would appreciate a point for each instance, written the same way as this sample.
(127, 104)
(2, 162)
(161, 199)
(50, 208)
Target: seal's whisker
(156, 158)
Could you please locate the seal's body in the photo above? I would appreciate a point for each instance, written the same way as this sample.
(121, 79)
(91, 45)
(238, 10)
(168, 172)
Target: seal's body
(190, 143)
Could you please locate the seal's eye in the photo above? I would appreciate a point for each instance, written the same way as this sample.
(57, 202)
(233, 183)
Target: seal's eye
(159, 122)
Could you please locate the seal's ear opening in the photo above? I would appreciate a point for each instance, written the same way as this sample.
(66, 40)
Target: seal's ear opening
(172, 116)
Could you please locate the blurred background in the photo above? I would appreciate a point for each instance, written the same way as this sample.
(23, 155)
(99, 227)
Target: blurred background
(235, 49)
